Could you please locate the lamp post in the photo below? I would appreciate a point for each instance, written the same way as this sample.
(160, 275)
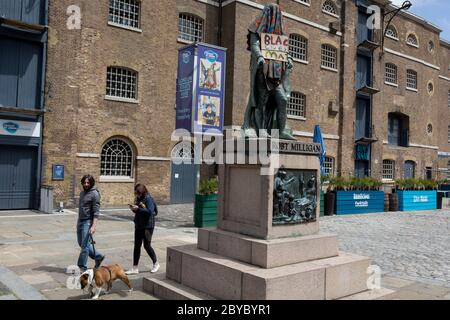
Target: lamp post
(405, 6)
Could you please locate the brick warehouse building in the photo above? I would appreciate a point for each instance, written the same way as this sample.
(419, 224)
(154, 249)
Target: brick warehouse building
(382, 114)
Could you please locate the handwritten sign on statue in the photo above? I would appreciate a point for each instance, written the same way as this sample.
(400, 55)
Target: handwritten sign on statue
(274, 46)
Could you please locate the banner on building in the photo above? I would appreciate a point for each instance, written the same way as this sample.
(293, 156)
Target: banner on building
(201, 88)
(20, 128)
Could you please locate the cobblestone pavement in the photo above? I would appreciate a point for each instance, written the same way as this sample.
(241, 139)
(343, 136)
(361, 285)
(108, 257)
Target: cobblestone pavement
(410, 245)
(412, 249)
(169, 216)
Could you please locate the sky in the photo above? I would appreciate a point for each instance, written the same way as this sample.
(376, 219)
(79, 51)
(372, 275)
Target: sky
(434, 11)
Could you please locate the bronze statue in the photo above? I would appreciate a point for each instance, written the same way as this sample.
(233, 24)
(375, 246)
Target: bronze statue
(270, 70)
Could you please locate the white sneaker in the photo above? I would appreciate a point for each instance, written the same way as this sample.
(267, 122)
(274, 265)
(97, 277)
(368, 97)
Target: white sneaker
(155, 267)
(132, 271)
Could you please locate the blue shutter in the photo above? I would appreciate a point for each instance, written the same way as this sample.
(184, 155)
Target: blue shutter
(29, 75)
(11, 9)
(9, 70)
(362, 118)
(30, 11)
(33, 11)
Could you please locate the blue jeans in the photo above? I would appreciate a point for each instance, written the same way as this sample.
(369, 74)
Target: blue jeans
(84, 241)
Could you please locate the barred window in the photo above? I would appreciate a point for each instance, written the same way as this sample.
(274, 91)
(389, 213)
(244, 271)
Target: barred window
(412, 40)
(297, 105)
(328, 166)
(121, 82)
(448, 134)
(448, 170)
(124, 12)
(298, 47)
(411, 79)
(449, 98)
(190, 28)
(329, 7)
(388, 169)
(391, 32)
(329, 56)
(390, 73)
(116, 159)
(304, 1)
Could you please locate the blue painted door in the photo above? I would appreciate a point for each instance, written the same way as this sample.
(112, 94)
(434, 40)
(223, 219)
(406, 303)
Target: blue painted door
(20, 73)
(363, 71)
(18, 174)
(183, 183)
(362, 30)
(409, 170)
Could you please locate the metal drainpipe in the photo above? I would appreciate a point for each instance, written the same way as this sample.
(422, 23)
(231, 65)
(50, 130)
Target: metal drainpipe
(219, 24)
(341, 90)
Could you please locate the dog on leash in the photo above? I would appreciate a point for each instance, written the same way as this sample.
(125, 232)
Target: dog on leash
(96, 280)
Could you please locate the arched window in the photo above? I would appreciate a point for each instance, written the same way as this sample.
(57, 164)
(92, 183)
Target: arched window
(412, 40)
(116, 159)
(388, 169)
(410, 169)
(411, 79)
(182, 152)
(190, 27)
(121, 83)
(329, 7)
(297, 105)
(390, 73)
(124, 13)
(391, 32)
(298, 47)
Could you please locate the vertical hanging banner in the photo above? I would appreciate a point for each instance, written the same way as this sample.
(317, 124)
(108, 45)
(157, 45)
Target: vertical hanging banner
(185, 87)
(201, 88)
(209, 89)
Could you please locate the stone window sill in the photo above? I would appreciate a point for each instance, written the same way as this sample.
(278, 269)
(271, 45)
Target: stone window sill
(118, 99)
(116, 179)
(300, 61)
(391, 84)
(112, 24)
(412, 89)
(329, 69)
(296, 117)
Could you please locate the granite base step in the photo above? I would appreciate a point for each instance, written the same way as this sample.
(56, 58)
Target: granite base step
(225, 278)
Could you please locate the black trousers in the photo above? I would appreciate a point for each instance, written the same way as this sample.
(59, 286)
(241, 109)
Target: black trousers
(143, 235)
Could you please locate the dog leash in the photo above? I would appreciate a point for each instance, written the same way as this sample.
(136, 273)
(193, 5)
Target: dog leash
(93, 247)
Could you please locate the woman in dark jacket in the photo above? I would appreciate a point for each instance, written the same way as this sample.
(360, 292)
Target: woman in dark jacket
(144, 223)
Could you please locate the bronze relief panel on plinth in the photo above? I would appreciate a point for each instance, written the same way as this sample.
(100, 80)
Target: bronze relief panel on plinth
(294, 196)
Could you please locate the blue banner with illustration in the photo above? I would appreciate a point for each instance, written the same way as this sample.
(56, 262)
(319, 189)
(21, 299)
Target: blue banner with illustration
(209, 89)
(185, 87)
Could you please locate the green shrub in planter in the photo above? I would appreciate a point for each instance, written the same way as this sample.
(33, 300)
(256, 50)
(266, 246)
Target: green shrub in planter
(205, 208)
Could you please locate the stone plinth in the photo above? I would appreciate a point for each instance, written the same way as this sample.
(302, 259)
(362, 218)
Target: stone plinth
(267, 253)
(248, 256)
(203, 273)
(245, 201)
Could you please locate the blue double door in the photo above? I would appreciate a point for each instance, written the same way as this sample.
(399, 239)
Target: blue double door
(18, 177)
